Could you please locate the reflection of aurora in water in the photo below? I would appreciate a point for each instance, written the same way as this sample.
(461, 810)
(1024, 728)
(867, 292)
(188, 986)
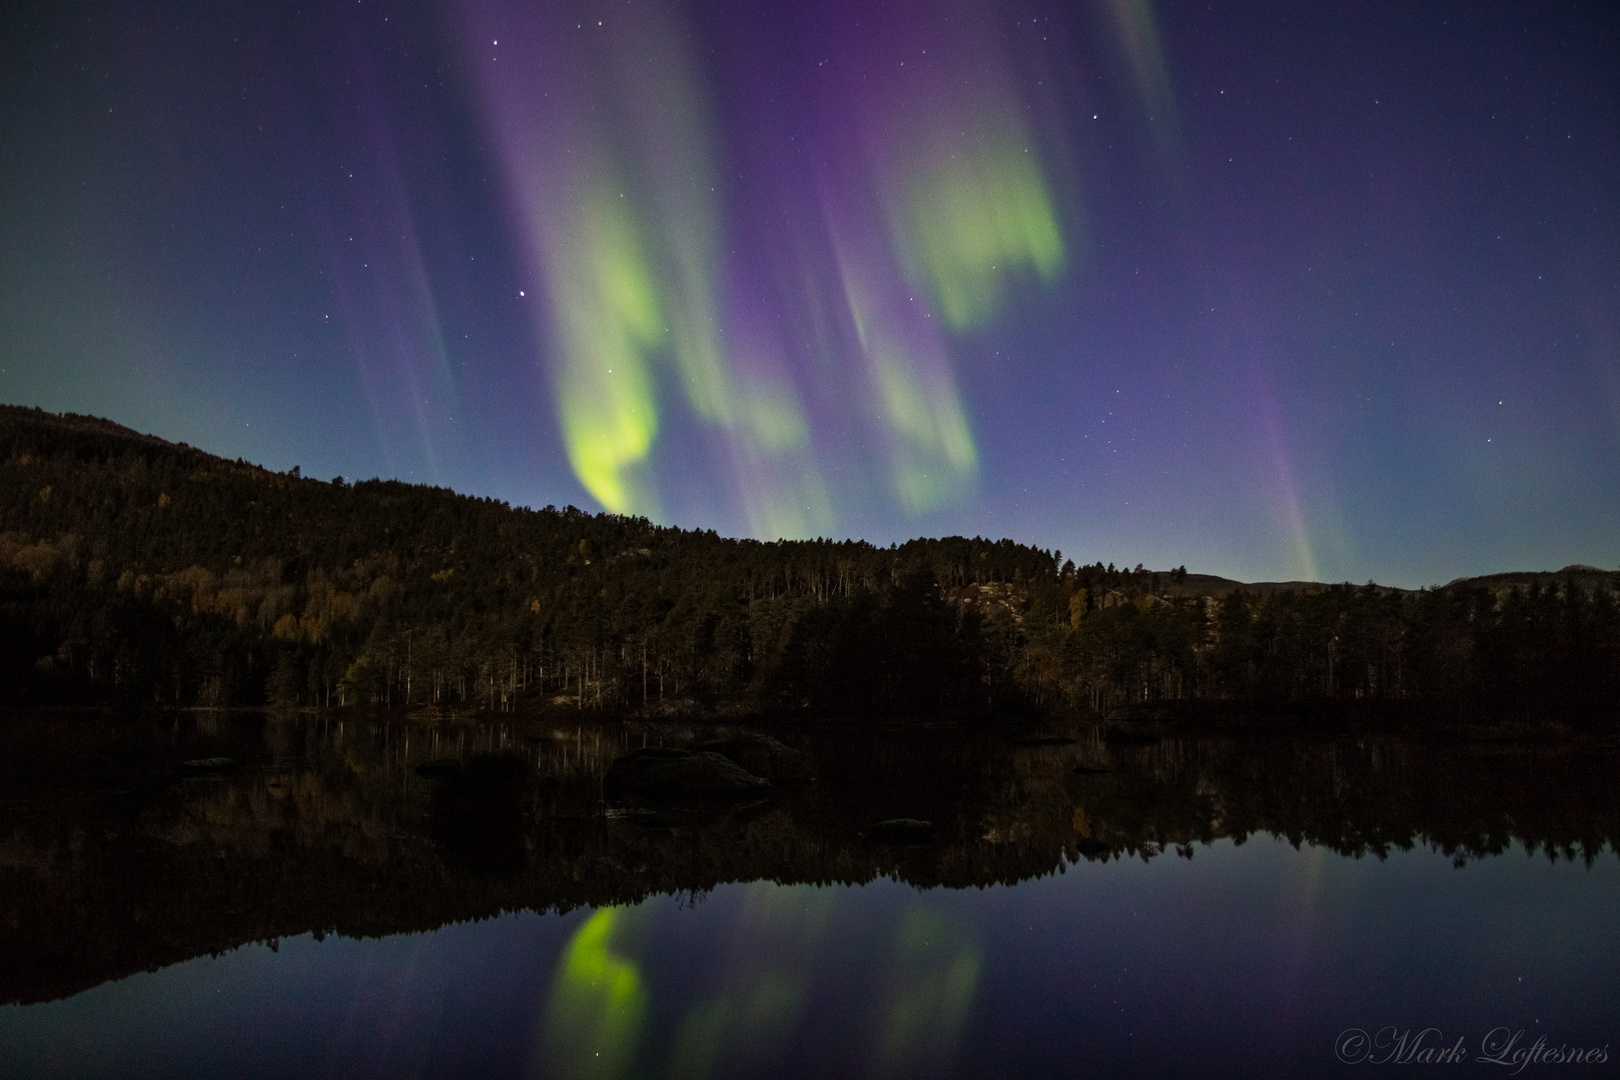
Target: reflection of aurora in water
(1245, 954)
(596, 1006)
(783, 938)
(747, 1014)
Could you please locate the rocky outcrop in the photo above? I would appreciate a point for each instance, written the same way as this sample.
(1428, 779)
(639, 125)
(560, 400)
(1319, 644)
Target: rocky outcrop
(765, 757)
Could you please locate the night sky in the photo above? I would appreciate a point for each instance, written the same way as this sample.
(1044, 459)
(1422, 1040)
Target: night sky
(1273, 290)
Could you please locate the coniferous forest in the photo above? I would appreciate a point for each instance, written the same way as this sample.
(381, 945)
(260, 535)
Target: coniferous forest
(139, 572)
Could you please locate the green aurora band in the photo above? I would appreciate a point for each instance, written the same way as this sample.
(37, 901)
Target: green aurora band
(970, 219)
(612, 153)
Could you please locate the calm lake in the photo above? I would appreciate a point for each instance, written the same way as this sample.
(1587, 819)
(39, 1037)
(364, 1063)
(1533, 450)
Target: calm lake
(355, 898)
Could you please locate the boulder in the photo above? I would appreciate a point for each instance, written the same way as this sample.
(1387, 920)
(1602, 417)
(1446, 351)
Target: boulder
(668, 773)
(764, 756)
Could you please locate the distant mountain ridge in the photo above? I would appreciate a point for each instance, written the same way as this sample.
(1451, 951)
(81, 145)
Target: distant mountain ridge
(1211, 585)
(1580, 573)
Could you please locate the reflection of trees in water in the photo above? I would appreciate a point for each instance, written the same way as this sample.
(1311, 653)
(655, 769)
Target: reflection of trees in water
(1360, 795)
(112, 861)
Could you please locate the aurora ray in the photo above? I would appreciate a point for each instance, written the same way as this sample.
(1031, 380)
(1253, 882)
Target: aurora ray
(651, 256)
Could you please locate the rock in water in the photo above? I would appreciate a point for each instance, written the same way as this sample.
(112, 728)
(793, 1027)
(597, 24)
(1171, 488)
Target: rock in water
(208, 765)
(764, 756)
(668, 773)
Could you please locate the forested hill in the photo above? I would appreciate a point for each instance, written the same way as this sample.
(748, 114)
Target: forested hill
(140, 571)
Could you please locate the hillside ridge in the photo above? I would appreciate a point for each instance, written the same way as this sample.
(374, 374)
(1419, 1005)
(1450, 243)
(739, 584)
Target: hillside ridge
(139, 571)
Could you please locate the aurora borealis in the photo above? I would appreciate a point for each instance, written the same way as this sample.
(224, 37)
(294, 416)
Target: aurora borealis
(1271, 292)
(859, 255)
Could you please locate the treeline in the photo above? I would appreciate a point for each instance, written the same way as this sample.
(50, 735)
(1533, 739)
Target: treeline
(139, 571)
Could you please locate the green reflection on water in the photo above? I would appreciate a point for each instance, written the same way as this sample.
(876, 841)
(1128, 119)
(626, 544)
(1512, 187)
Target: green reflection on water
(597, 1004)
(749, 1024)
(757, 1016)
(935, 971)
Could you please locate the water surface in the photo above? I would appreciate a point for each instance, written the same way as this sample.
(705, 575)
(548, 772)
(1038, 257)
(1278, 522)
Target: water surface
(1212, 905)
